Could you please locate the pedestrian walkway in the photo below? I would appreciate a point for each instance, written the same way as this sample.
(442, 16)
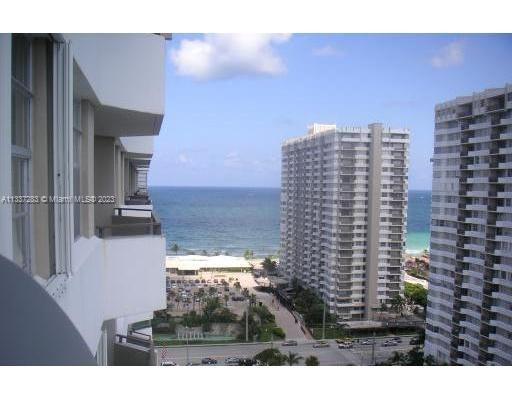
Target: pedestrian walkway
(284, 318)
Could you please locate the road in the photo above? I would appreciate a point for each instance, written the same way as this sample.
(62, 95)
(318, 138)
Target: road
(358, 355)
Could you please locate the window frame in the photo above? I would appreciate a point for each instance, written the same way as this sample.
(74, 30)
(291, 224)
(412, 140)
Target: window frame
(24, 153)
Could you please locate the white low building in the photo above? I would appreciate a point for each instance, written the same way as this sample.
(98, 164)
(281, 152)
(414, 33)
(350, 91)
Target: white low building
(77, 117)
(192, 264)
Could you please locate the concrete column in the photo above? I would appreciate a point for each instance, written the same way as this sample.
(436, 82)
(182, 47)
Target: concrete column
(5, 145)
(374, 193)
(41, 145)
(126, 179)
(87, 172)
(104, 178)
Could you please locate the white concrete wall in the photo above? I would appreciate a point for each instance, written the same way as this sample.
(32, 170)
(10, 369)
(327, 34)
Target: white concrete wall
(134, 275)
(124, 70)
(118, 278)
(138, 144)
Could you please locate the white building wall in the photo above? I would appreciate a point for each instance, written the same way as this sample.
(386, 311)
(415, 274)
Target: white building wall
(470, 285)
(325, 219)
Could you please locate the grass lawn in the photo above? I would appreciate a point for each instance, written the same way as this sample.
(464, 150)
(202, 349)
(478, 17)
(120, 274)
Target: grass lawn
(162, 339)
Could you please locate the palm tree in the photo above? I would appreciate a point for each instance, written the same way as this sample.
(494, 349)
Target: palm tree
(175, 248)
(312, 361)
(292, 358)
(237, 285)
(226, 298)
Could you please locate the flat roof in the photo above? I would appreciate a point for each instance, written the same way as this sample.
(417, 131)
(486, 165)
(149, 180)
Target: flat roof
(197, 262)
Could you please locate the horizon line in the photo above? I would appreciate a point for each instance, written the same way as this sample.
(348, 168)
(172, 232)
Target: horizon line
(246, 187)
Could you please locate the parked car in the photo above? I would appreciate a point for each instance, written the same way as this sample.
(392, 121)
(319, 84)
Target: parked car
(208, 361)
(320, 344)
(340, 341)
(414, 341)
(397, 339)
(247, 362)
(232, 361)
(215, 281)
(345, 345)
(366, 342)
(289, 343)
(168, 363)
(389, 343)
(203, 280)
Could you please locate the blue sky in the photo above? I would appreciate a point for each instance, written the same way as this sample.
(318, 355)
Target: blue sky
(232, 100)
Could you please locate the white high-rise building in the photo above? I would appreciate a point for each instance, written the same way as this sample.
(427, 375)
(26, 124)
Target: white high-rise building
(469, 313)
(77, 117)
(343, 215)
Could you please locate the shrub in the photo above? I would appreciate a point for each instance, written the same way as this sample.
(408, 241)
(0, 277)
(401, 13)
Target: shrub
(270, 357)
(278, 332)
(312, 361)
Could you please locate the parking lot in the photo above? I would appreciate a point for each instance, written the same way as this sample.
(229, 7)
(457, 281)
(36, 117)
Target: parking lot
(184, 293)
(359, 354)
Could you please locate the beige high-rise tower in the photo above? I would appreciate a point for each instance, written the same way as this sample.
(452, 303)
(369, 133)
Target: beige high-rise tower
(344, 214)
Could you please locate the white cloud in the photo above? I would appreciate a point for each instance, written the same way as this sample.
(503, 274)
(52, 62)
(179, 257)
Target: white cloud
(232, 160)
(183, 159)
(326, 51)
(450, 55)
(221, 56)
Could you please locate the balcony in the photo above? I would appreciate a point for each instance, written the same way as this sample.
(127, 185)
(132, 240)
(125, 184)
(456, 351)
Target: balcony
(137, 199)
(131, 221)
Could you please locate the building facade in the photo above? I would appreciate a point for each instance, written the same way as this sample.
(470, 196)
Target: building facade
(78, 113)
(469, 313)
(343, 215)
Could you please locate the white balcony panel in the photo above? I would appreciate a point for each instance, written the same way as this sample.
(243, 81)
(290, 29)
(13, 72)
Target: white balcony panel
(134, 275)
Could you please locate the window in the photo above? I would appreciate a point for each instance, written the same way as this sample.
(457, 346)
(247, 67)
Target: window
(77, 151)
(21, 96)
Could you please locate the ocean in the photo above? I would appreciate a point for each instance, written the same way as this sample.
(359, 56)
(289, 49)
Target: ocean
(233, 220)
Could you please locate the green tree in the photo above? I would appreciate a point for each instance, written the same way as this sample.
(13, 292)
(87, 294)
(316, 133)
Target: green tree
(292, 358)
(237, 286)
(312, 361)
(204, 253)
(270, 357)
(416, 293)
(211, 305)
(212, 291)
(248, 254)
(398, 304)
(175, 248)
(252, 299)
(245, 292)
(269, 265)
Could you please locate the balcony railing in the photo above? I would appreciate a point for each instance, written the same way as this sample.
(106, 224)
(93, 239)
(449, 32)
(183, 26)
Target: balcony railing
(138, 199)
(131, 222)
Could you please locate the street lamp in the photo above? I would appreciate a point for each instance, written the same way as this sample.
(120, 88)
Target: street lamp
(247, 321)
